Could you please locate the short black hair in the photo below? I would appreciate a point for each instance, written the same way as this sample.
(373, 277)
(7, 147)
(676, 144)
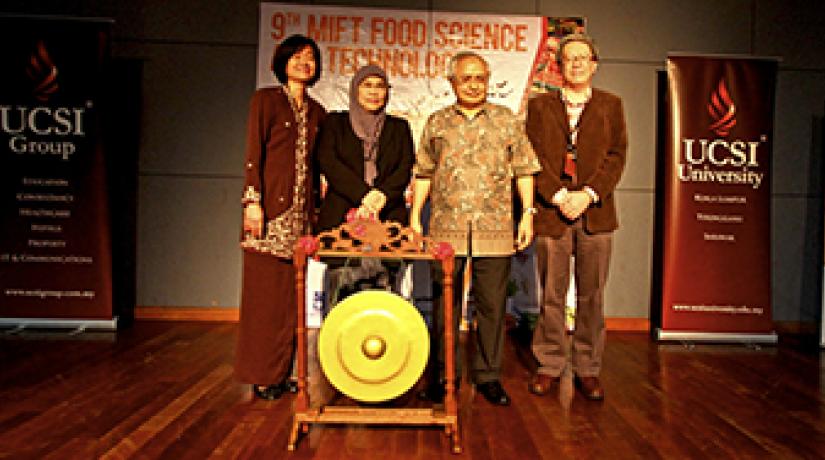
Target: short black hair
(287, 48)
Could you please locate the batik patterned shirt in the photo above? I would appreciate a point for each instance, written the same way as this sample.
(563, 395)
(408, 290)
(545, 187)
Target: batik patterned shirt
(471, 163)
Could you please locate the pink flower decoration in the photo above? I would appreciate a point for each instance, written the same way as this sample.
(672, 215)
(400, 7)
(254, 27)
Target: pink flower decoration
(443, 250)
(352, 214)
(359, 230)
(309, 244)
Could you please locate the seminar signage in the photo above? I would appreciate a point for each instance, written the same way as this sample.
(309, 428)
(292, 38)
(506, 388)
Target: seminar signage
(55, 256)
(716, 206)
(415, 47)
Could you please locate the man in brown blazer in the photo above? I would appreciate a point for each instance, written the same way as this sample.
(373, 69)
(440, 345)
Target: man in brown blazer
(578, 133)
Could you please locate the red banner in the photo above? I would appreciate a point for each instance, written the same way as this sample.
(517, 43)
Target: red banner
(55, 248)
(716, 206)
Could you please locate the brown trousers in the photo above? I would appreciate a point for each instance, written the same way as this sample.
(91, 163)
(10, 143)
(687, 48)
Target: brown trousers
(266, 332)
(592, 252)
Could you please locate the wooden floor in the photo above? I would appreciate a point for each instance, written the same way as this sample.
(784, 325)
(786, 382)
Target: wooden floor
(166, 390)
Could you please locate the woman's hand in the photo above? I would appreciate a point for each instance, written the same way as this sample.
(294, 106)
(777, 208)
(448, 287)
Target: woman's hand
(374, 201)
(253, 220)
(365, 213)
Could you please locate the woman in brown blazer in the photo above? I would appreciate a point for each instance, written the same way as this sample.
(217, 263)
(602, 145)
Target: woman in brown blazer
(283, 122)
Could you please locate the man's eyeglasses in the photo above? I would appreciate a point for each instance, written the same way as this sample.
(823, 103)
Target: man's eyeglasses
(578, 59)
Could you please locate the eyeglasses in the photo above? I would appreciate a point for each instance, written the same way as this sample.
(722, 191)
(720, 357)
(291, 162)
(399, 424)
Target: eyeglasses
(579, 59)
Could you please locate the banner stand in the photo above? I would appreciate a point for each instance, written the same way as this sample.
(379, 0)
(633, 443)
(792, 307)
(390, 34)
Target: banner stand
(713, 247)
(822, 238)
(79, 325)
(55, 220)
(716, 337)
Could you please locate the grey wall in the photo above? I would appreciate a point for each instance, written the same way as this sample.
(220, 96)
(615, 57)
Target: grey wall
(199, 67)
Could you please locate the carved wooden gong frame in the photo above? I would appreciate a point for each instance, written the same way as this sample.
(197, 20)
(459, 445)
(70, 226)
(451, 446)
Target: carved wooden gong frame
(383, 240)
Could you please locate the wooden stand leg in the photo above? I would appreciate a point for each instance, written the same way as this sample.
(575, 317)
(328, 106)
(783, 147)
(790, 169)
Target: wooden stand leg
(456, 438)
(450, 399)
(302, 396)
(293, 436)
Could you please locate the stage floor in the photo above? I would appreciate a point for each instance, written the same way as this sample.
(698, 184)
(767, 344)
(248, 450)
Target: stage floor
(166, 390)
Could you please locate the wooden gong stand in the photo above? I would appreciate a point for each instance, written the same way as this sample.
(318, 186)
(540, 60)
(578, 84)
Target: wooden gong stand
(389, 240)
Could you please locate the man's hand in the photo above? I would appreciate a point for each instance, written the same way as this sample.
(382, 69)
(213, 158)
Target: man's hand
(415, 224)
(253, 220)
(575, 204)
(421, 189)
(525, 232)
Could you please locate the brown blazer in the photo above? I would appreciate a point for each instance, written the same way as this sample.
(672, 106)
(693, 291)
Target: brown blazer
(270, 151)
(602, 148)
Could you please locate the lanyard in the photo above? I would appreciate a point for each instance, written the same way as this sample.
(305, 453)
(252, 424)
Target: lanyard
(571, 155)
(573, 137)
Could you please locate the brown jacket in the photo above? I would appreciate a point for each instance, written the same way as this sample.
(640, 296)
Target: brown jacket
(270, 151)
(267, 324)
(602, 148)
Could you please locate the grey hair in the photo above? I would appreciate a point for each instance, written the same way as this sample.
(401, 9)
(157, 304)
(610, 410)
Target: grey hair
(580, 38)
(460, 56)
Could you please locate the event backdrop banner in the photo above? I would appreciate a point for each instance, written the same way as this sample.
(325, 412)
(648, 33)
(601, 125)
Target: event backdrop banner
(414, 48)
(55, 251)
(716, 257)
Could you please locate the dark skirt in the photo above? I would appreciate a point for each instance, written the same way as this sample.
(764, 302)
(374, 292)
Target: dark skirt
(266, 333)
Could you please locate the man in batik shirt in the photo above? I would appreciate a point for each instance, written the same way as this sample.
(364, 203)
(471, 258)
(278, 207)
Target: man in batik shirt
(469, 154)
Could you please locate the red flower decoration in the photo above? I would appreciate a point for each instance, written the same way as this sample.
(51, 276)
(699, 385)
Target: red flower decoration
(309, 244)
(443, 250)
(359, 230)
(352, 214)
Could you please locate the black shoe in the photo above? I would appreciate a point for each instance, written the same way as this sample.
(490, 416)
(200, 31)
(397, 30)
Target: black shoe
(290, 386)
(494, 392)
(591, 387)
(435, 392)
(268, 392)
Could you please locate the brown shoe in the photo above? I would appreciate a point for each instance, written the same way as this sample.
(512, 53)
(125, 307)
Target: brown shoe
(590, 387)
(540, 384)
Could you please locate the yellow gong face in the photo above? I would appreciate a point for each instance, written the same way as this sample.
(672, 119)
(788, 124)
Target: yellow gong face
(373, 346)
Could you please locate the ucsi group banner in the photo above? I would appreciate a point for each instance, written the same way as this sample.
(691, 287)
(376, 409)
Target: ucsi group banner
(414, 48)
(716, 248)
(55, 251)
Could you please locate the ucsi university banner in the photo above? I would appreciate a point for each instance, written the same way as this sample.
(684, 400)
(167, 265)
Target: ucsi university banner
(715, 208)
(55, 249)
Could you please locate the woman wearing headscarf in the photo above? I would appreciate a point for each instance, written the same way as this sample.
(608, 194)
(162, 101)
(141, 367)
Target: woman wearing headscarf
(282, 126)
(365, 154)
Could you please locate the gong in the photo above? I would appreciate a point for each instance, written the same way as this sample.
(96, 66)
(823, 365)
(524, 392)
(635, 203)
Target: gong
(373, 346)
